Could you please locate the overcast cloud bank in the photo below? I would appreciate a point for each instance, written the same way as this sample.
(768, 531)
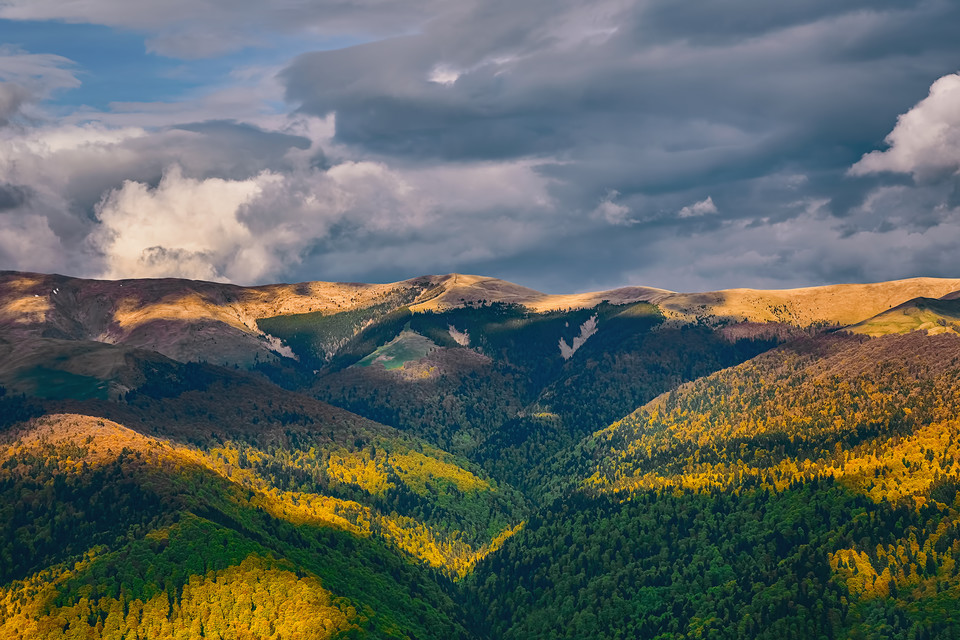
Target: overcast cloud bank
(566, 145)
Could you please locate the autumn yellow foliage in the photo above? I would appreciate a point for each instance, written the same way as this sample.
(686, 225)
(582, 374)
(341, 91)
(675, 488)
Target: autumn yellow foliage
(252, 600)
(85, 442)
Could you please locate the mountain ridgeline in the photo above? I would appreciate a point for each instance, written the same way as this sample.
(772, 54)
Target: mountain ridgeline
(462, 457)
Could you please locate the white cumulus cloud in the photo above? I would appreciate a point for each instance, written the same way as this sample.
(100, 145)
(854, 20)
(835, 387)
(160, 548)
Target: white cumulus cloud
(612, 212)
(697, 209)
(184, 227)
(444, 74)
(926, 140)
(352, 216)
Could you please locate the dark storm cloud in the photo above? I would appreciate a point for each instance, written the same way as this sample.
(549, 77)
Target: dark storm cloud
(237, 150)
(12, 196)
(734, 20)
(246, 137)
(528, 86)
(762, 106)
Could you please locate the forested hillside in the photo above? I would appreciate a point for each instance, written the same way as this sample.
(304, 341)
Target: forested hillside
(509, 396)
(227, 493)
(108, 532)
(427, 460)
(809, 492)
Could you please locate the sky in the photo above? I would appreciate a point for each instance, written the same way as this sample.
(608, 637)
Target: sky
(567, 145)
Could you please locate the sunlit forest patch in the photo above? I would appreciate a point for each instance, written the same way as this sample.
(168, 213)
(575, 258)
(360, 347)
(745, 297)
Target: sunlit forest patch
(72, 444)
(371, 469)
(843, 407)
(258, 598)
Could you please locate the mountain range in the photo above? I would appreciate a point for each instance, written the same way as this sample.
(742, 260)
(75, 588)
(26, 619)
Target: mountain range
(460, 456)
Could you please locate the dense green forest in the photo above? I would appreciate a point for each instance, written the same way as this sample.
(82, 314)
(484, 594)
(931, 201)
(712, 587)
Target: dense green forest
(750, 563)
